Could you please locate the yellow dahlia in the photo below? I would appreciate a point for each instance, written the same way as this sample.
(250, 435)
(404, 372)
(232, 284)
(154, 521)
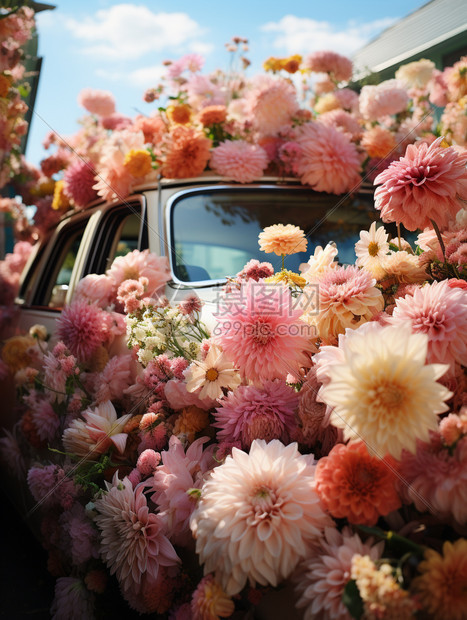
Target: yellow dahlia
(287, 277)
(382, 391)
(60, 200)
(442, 585)
(282, 239)
(138, 162)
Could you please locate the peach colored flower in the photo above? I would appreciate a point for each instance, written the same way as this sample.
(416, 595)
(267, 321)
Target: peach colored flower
(179, 114)
(416, 74)
(282, 239)
(424, 185)
(339, 67)
(212, 115)
(257, 516)
(239, 160)
(210, 602)
(186, 153)
(404, 267)
(100, 102)
(378, 142)
(385, 99)
(271, 104)
(328, 161)
(342, 120)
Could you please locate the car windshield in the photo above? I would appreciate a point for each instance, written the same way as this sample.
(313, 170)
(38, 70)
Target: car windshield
(214, 232)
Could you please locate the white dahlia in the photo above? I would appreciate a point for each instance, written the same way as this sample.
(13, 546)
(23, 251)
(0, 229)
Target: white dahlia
(257, 515)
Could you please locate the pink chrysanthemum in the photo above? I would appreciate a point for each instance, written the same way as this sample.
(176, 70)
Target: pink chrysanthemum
(343, 121)
(80, 536)
(328, 161)
(79, 180)
(250, 413)
(95, 289)
(171, 481)
(114, 181)
(136, 264)
(387, 98)
(83, 328)
(45, 420)
(50, 486)
(313, 418)
(440, 312)
(238, 160)
(347, 98)
(338, 66)
(257, 516)
(116, 377)
(269, 340)
(100, 102)
(54, 163)
(254, 270)
(435, 478)
(272, 104)
(356, 486)
(324, 575)
(187, 153)
(348, 297)
(73, 601)
(133, 541)
(424, 185)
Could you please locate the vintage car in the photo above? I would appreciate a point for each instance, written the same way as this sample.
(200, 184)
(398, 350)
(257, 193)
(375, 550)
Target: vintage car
(207, 227)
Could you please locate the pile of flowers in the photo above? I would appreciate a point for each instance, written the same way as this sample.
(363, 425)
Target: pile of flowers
(301, 118)
(16, 27)
(316, 449)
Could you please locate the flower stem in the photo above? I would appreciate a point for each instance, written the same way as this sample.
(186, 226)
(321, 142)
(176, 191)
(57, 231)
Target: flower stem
(440, 238)
(283, 261)
(399, 235)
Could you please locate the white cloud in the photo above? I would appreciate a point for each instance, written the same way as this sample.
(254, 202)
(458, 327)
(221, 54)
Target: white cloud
(128, 31)
(298, 35)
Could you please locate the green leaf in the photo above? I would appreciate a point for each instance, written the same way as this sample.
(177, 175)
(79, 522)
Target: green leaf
(24, 90)
(352, 600)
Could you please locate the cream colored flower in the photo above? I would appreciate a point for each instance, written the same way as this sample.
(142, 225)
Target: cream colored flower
(416, 74)
(215, 373)
(371, 250)
(319, 262)
(404, 267)
(383, 392)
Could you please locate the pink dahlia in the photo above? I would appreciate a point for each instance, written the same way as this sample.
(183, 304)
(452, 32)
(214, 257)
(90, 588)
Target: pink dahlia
(133, 540)
(72, 601)
(260, 330)
(435, 478)
(172, 480)
(422, 186)
(79, 180)
(257, 516)
(339, 67)
(251, 413)
(95, 289)
(323, 576)
(440, 312)
(328, 161)
(79, 533)
(385, 99)
(272, 104)
(135, 265)
(355, 485)
(100, 102)
(114, 182)
(238, 160)
(347, 98)
(83, 328)
(348, 297)
(343, 121)
(116, 377)
(45, 420)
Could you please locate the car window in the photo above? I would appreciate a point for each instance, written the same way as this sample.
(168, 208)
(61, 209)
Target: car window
(213, 233)
(57, 271)
(119, 231)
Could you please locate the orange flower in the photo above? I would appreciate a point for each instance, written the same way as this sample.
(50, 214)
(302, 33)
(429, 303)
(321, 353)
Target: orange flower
(441, 586)
(212, 114)
(179, 114)
(5, 83)
(15, 352)
(138, 162)
(192, 420)
(292, 63)
(282, 239)
(355, 485)
(272, 64)
(378, 142)
(187, 153)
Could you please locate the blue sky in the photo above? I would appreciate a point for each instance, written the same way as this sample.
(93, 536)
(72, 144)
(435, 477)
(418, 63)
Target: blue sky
(119, 46)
